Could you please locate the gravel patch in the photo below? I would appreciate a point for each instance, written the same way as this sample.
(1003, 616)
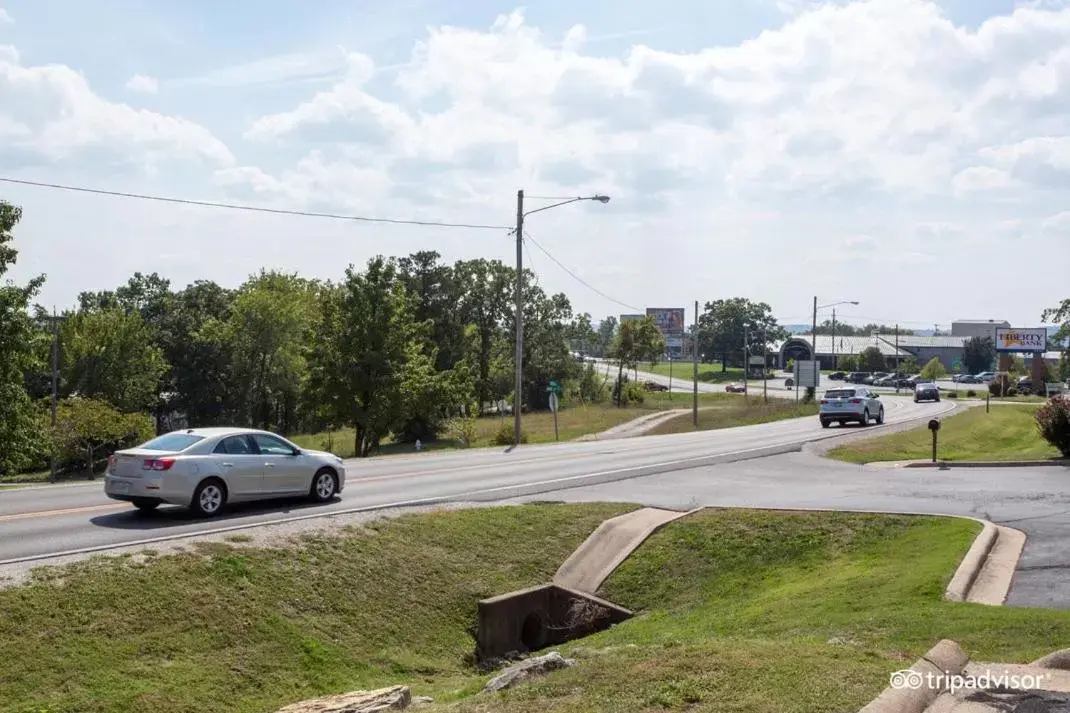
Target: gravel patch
(283, 534)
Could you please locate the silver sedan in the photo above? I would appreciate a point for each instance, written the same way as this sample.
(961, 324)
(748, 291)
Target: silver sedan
(206, 468)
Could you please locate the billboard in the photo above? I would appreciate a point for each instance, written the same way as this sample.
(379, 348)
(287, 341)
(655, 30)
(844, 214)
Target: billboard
(670, 320)
(1014, 339)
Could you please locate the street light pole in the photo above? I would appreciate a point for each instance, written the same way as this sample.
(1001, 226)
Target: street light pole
(518, 385)
(520, 215)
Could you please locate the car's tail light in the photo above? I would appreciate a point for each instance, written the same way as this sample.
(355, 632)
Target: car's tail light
(856, 401)
(111, 462)
(158, 464)
(824, 402)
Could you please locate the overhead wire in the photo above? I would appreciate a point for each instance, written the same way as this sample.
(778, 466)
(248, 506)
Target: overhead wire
(249, 208)
(576, 277)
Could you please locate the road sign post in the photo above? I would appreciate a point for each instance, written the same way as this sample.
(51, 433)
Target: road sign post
(554, 388)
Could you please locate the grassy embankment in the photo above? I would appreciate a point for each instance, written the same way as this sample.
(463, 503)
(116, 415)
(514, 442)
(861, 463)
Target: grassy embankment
(736, 610)
(1005, 433)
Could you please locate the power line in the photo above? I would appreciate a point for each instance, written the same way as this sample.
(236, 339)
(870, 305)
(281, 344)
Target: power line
(253, 209)
(577, 277)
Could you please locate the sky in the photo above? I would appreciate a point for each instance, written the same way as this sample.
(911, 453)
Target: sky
(909, 155)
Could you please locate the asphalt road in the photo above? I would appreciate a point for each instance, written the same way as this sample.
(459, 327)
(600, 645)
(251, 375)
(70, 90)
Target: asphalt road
(48, 521)
(1035, 500)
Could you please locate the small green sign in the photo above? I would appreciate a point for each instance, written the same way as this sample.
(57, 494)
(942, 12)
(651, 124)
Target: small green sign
(554, 388)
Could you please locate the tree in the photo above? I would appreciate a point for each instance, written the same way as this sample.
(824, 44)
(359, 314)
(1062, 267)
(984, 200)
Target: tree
(847, 330)
(265, 337)
(87, 429)
(978, 354)
(109, 354)
(933, 369)
(872, 359)
(848, 362)
(582, 336)
(607, 335)
(909, 365)
(21, 443)
(1059, 315)
(483, 306)
(363, 339)
(637, 340)
(437, 293)
(722, 324)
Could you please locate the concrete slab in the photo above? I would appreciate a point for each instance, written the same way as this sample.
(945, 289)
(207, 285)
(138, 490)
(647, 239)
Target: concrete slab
(994, 579)
(609, 545)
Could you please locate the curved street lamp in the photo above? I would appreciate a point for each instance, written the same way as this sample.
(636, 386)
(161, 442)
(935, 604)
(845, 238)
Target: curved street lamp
(520, 215)
(813, 332)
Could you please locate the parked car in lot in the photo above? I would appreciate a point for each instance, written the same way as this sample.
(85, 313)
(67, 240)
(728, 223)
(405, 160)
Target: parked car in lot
(1025, 385)
(736, 388)
(207, 468)
(985, 377)
(850, 404)
(837, 376)
(926, 391)
(654, 386)
(857, 377)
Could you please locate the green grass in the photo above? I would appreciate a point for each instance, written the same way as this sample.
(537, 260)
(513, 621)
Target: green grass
(736, 611)
(1005, 433)
(574, 421)
(779, 613)
(232, 629)
(737, 411)
(684, 370)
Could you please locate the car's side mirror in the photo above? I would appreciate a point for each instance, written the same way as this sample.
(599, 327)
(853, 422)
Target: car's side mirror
(295, 452)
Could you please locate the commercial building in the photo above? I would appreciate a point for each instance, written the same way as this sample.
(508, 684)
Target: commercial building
(978, 328)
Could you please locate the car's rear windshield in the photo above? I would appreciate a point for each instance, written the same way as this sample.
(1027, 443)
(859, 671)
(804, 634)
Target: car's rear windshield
(840, 394)
(171, 442)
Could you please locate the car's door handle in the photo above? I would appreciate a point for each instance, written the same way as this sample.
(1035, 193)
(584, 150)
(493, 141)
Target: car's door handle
(269, 465)
(228, 465)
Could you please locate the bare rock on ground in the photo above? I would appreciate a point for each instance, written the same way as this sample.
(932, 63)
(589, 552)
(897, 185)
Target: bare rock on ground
(524, 670)
(395, 698)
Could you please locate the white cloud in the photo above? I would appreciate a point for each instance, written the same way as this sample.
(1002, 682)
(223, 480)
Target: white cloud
(51, 112)
(6, 18)
(142, 83)
(980, 178)
(845, 126)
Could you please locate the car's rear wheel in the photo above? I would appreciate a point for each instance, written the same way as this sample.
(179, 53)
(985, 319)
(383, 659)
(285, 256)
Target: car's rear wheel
(146, 505)
(324, 485)
(209, 498)
(865, 417)
(880, 417)
(824, 423)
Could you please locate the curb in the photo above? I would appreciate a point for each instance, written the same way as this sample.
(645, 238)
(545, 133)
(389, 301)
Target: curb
(966, 574)
(945, 464)
(946, 658)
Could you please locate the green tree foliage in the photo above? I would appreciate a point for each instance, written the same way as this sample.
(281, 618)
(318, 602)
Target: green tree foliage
(265, 334)
(1053, 423)
(872, 359)
(637, 341)
(1059, 315)
(847, 362)
(484, 306)
(110, 354)
(88, 430)
(847, 330)
(582, 336)
(721, 328)
(978, 354)
(933, 369)
(909, 366)
(607, 335)
(20, 435)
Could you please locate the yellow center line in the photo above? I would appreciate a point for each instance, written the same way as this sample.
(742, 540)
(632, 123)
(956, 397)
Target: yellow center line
(65, 511)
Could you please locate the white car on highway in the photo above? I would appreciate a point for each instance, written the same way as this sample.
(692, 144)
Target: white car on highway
(206, 468)
(859, 403)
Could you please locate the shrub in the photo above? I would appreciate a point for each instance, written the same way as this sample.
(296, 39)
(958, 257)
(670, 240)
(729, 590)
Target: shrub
(1000, 385)
(504, 436)
(1012, 391)
(463, 430)
(934, 369)
(1053, 423)
(87, 430)
(971, 393)
(952, 394)
(847, 363)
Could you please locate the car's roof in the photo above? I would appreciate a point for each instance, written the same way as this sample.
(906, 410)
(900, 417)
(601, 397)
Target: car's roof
(219, 431)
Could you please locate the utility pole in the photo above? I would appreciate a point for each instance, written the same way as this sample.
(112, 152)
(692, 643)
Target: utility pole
(517, 398)
(834, 339)
(694, 357)
(897, 358)
(55, 392)
(813, 333)
(746, 361)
